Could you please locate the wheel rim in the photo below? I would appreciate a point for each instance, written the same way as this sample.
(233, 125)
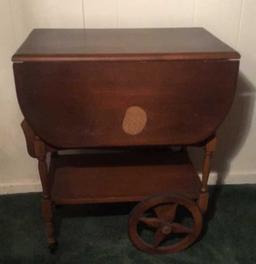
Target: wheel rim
(164, 224)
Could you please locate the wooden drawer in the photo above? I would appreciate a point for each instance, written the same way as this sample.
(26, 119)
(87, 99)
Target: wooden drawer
(84, 104)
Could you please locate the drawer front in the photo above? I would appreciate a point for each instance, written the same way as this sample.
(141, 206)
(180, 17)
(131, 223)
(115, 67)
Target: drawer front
(121, 103)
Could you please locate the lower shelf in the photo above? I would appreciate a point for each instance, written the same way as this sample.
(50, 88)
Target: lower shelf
(121, 176)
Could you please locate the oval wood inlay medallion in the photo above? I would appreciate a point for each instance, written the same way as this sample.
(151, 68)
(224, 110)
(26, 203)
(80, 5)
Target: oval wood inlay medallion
(134, 121)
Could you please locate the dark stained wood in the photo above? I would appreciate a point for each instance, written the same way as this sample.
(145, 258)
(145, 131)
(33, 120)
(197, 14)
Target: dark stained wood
(123, 44)
(210, 148)
(83, 104)
(47, 214)
(135, 92)
(30, 138)
(122, 176)
(203, 201)
(47, 206)
(38, 149)
(165, 224)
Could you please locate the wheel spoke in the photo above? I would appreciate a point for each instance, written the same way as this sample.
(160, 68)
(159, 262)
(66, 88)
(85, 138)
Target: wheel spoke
(181, 229)
(166, 212)
(159, 237)
(151, 221)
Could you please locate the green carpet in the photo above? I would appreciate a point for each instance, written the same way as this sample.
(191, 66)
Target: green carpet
(98, 234)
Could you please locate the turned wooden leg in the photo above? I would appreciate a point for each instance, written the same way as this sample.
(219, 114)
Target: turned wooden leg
(38, 149)
(47, 205)
(204, 195)
(47, 213)
(203, 201)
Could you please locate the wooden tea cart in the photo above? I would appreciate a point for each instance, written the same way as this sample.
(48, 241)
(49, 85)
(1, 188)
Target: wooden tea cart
(127, 96)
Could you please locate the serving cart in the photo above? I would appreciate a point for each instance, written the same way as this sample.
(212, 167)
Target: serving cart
(133, 100)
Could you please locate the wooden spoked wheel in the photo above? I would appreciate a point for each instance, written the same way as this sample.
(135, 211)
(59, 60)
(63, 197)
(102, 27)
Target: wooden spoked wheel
(165, 224)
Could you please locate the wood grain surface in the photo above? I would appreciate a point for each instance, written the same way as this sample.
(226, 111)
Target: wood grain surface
(82, 104)
(123, 44)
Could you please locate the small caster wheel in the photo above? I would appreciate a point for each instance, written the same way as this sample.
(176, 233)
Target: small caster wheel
(52, 247)
(165, 224)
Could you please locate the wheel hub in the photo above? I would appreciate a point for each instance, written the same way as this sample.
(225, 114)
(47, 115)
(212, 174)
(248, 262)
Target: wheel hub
(166, 229)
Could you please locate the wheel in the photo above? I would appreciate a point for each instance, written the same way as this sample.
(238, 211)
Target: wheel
(165, 224)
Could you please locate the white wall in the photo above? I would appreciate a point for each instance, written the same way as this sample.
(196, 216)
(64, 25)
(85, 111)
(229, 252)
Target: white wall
(234, 21)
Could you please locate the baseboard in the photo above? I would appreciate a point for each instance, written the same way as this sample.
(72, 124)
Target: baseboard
(20, 188)
(234, 178)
